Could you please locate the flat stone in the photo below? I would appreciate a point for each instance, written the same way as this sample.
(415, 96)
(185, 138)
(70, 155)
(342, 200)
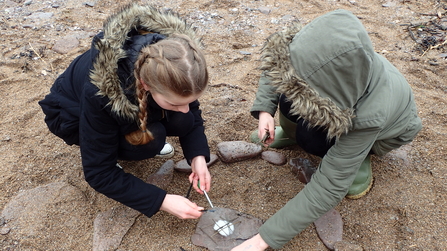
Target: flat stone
(163, 177)
(184, 167)
(274, 158)
(330, 228)
(303, 168)
(245, 227)
(110, 227)
(234, 151)
(39, 216)
(66, 44)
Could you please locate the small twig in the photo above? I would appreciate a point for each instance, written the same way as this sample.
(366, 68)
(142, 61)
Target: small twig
(37, 53)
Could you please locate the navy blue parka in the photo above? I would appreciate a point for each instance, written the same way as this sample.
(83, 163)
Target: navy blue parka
(93, 104)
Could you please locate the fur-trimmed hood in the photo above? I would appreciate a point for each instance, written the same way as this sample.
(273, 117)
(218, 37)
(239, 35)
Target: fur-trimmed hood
(323, 68)
(110, 46)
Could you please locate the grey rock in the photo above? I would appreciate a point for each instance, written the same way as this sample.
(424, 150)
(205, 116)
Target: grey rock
(330, 228)
(245, 227)
(36, 215)
(274, 158)
(90, 4)
(184, 167)
(4, 230)
(110, 227)
(264, 10)
(163, 177)
(66, 44)
(233, 151)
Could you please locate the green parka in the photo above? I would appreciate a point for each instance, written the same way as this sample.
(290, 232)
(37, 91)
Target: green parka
(334, 79)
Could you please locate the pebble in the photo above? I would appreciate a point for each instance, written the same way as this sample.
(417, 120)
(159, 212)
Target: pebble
(4, 230)
(265, 10)
(330, 228)
(234, 151)
(184, 167)
(274, 158)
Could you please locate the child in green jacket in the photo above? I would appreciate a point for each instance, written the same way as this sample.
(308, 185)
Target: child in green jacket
(338, 99)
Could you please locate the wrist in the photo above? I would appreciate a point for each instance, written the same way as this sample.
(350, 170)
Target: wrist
(260, 242)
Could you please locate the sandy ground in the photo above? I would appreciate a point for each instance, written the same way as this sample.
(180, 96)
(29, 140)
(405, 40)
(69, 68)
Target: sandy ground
(406, 209)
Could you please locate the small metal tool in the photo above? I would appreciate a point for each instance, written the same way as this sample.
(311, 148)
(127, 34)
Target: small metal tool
(206, 195)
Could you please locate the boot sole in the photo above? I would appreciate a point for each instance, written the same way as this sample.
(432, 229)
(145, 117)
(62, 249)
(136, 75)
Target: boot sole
(360, 195)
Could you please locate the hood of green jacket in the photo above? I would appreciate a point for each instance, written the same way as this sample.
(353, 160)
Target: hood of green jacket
(110, 46)
(324, 81)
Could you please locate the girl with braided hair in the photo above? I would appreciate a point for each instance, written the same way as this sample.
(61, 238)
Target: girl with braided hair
(138, 84)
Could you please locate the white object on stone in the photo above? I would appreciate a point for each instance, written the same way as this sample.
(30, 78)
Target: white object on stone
(224, 227)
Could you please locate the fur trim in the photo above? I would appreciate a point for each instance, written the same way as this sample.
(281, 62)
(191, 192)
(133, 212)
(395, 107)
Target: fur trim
(116, 28)
(306, 102)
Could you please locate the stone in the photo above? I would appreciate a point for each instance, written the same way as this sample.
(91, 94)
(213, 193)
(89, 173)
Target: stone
(4, 230)
(264, 10)
(66, 44)
(39, 215)
(234, 151)
(330, 228)
(244, 227)
(184, 167)
(110, 227)
(163, 177)
(303, 169)
(274, 158)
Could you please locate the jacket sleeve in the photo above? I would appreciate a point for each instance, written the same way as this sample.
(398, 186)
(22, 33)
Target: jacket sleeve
(327, 188)
(99, 139)
(266, 98)
(195, 142)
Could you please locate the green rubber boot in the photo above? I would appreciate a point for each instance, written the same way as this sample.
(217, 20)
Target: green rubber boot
(363, 181)
(281, 139)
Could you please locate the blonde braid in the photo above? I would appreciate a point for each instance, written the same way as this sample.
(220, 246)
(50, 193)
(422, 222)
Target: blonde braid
(142, 136)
